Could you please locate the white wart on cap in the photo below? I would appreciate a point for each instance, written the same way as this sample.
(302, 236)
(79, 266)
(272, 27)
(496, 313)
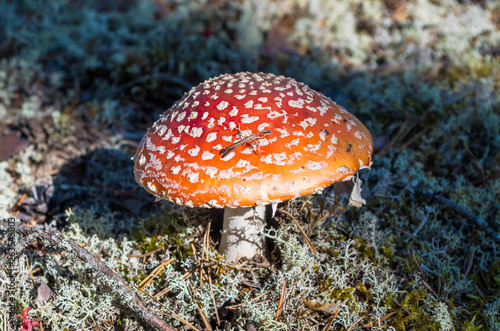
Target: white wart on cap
(306, 143)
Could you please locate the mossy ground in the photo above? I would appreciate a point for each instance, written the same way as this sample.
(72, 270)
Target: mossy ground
(80, 82)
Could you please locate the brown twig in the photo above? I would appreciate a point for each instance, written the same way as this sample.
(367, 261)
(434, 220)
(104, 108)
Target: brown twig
(401, 134)
(250, 138)
(111, 279)
(402, 307)
(200, 264)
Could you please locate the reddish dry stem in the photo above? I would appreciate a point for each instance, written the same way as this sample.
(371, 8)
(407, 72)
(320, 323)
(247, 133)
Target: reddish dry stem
(242, 141)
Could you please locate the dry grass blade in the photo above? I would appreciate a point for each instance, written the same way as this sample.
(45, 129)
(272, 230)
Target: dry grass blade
(198, 306)
(353, 325)
(172, 313)
(153, 274)
(145, 255)
(468, 261)
(369, 325)
(329, 325)
(281, 303)
(247, 302)
(328, 213)
(255, 304)
(304, 234)
(206, 243)
(15, 209)
(422, 275)
(213, 299)
(166, 289)
(200, 263)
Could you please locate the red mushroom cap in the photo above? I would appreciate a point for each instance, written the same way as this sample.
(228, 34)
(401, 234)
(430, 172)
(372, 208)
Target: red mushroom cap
(295, 141)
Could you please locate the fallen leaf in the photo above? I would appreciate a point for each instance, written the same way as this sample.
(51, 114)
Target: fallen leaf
(44, 293)
(329, 308)
(10, 144)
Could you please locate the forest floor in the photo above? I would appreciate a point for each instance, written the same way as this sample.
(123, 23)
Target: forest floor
(81, 81)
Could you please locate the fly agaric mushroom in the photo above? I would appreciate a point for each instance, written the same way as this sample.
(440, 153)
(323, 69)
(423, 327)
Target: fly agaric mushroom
(243, 141)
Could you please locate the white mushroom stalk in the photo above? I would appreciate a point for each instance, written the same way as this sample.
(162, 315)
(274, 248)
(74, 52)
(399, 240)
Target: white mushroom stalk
(242, 232)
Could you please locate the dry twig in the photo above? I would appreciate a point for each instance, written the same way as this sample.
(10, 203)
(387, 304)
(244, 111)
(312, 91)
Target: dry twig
(281, 303)
(402, 307)
(355, 323)
(166, 289)
(153, 274)
(113, 280)
(329, 325)
(252, 300)
(213, 299)
(434, 197)
(199, 307)
(422, 275)
(304, 234)
(369, 325)
(172, 313)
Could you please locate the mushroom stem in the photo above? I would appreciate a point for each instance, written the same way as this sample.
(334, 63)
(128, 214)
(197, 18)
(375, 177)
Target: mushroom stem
(242, 232)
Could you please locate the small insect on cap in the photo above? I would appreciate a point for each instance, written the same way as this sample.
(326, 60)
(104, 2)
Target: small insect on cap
(250, 139)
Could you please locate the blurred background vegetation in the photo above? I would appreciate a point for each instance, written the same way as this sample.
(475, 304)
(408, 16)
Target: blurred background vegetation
(81, 81)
